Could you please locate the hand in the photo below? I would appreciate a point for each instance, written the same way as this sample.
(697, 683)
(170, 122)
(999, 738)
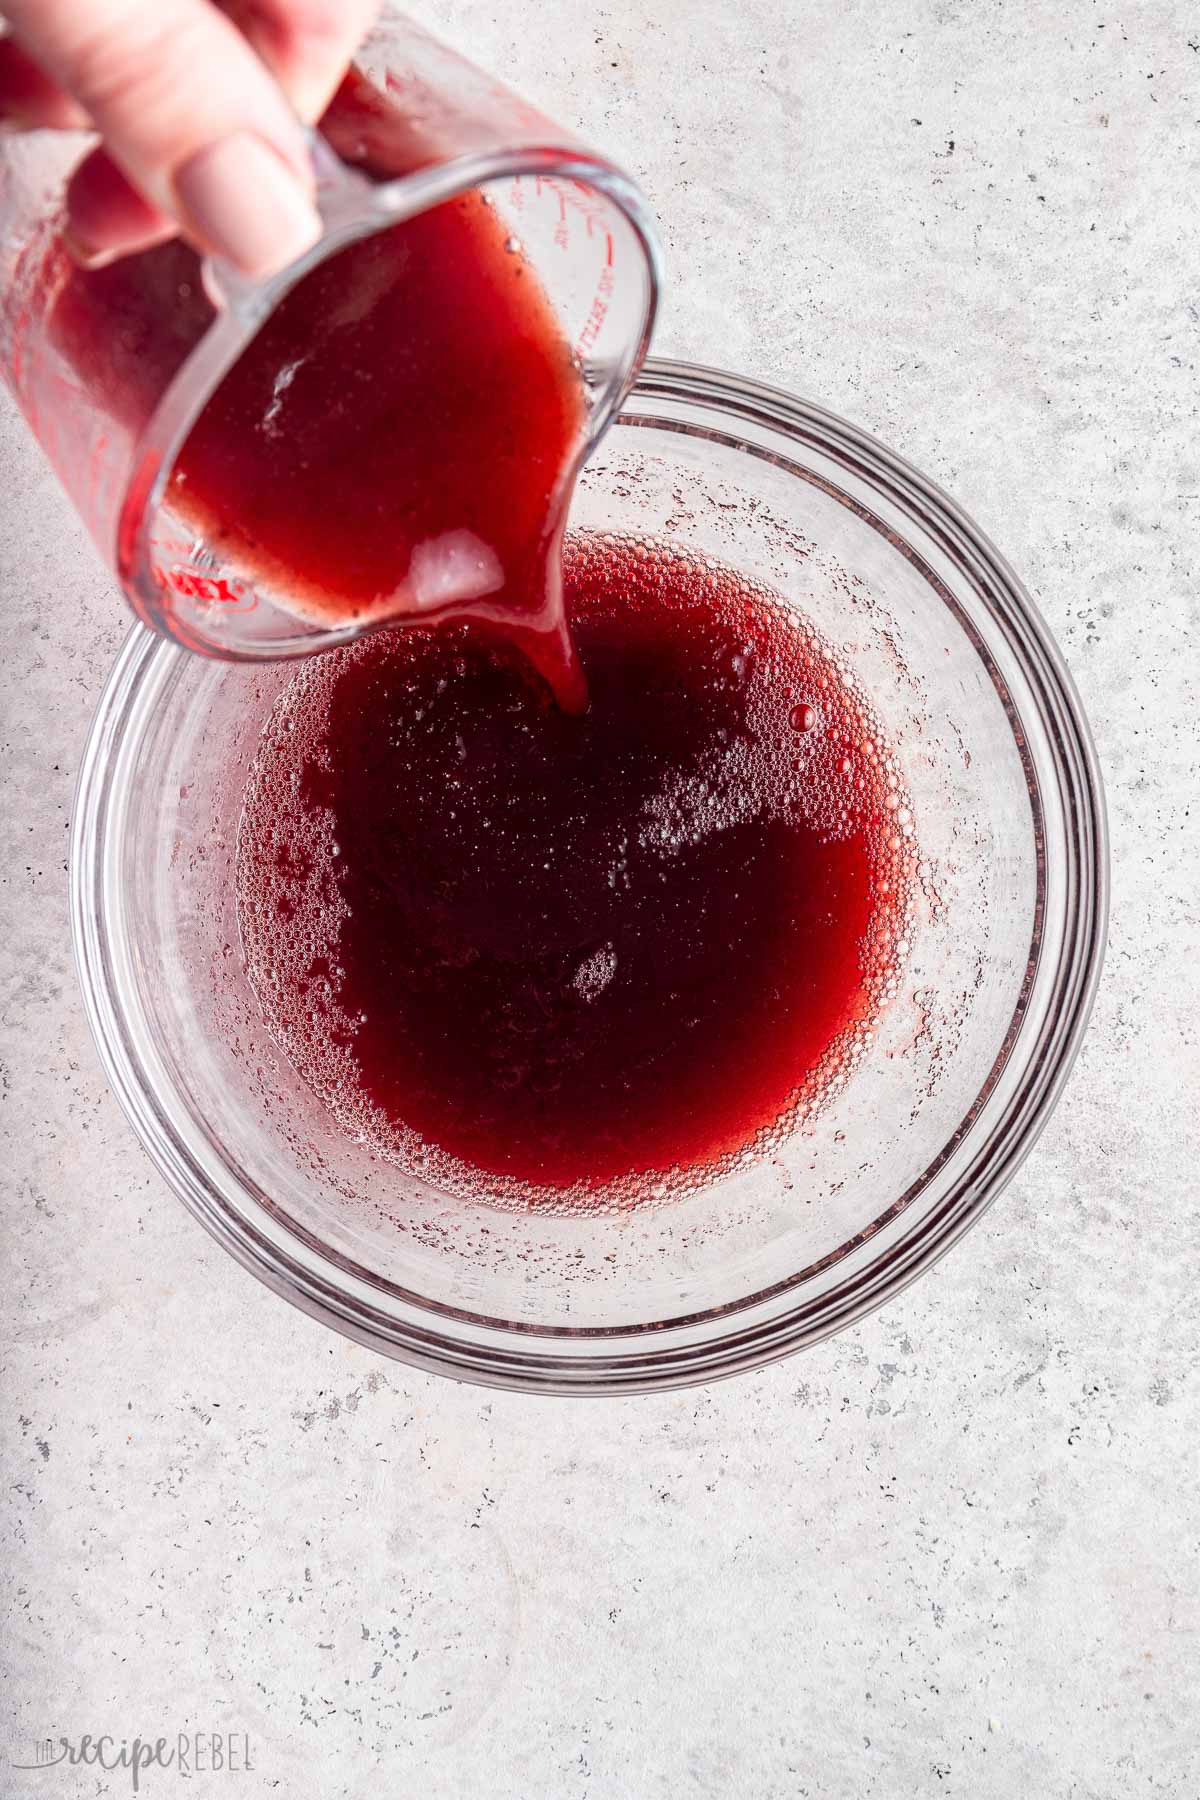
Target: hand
(199, 108)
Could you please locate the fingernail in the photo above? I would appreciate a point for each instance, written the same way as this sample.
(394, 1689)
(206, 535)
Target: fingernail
(241, 201)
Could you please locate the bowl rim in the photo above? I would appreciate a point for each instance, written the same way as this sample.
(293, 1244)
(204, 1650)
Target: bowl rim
(502, 1353)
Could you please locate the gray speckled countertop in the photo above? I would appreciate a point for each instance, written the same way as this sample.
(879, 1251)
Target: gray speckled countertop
(953, 1552)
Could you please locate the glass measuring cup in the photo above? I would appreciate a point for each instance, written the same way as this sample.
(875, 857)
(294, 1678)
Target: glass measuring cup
(113, 419)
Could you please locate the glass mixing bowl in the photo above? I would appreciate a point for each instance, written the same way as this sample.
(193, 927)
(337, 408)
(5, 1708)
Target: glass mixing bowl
(967, 1061)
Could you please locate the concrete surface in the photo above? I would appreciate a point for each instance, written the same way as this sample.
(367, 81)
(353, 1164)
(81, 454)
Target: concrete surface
(954, 1552)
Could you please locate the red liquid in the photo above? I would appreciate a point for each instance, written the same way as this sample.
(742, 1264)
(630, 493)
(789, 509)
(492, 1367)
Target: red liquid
(400, 436)
(588, 958)
(537, 953)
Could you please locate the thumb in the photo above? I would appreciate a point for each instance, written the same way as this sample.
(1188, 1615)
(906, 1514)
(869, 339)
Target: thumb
(190, 116)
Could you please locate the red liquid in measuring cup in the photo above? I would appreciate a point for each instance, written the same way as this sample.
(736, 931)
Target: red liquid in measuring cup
(577, 959)
(399, 437)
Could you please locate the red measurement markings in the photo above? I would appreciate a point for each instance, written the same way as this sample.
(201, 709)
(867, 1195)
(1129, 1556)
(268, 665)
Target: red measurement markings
(207, 589)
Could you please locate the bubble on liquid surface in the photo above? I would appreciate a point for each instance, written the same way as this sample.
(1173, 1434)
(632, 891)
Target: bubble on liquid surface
(595, 972)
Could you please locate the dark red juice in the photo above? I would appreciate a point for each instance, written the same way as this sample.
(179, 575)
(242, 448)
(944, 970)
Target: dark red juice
(571, 959)
(535, 950)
